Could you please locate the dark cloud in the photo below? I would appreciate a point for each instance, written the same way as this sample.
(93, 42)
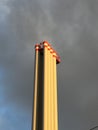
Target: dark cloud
(72, 27)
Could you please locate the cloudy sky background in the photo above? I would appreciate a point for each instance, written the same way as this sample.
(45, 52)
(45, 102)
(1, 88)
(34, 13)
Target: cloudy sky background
(72, 28)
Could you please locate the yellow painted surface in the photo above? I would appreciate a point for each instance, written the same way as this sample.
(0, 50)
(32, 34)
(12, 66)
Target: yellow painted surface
(48, 87)
(45, 90)
(55, 96)
(45, 66)
(53, 59)
(35, 90)
(51, 121)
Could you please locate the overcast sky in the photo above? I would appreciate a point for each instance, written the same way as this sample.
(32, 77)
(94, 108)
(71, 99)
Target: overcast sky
(71, 26)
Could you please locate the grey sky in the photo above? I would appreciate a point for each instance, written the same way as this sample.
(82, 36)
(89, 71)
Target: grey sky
(72, 28)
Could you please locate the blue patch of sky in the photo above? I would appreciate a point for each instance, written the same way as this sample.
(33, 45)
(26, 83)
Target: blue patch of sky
(13, 118)
(2, 73)
(4, 10)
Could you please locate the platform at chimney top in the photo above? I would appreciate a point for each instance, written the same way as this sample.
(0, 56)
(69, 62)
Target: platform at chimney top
(40, 47)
